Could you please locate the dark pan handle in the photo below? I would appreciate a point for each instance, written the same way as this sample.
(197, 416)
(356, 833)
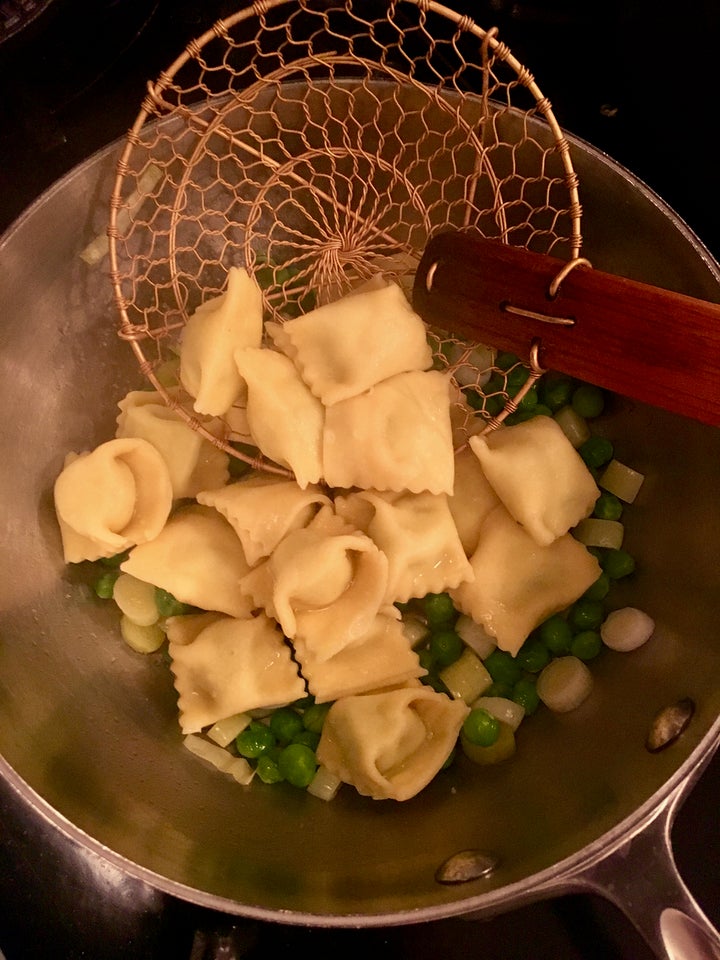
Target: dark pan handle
(649, 344)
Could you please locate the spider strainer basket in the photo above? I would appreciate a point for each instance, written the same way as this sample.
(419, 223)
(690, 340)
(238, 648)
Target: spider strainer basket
(318, 143)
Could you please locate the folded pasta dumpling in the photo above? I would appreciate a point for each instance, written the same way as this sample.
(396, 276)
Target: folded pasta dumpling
(382, 658)
(417, 534)
(519, 583)
(538, 475)
(198, 558)
(472, 498)
(345, 347)
(111, 498)
(194, 462)
(186, 627)
(212, 334)
(389, 745)
(395, 436)
(285, 419)
(263, 509)
(233, 666)
(325, 583)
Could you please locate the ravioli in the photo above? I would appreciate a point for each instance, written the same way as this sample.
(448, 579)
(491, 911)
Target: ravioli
(345, 347)
(389, 745)
(209, 340)
(194, 462)
(111, 498)
(472, 498)
(519, 583)
(538, 475)
(198, 558)
(232, 666)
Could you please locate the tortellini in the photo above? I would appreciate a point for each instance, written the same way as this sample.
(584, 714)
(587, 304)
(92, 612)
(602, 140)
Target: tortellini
(390, 744)
(417, 534)
(519, 583)
(538, 475)
(285, 419)
(344, 348)
(194, 462)
(395, 436)
(210, 338)
(198, 558)
(111, 498)
(264, 509)
(233, 666)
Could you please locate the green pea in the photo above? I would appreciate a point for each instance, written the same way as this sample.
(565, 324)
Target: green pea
(105, 584)
(445, 647)
(555, 393)
(588, 401)
(481, 728)
(297, 764)
(586, 615)
(168, 605)
(529, 401)
(533, 655)
(586, 645)
(309, 737)
(304, 702)
(541, 410)
(115, 560)
(427, 660)
(439, 608)
(608, 507)
(556, 634)
(596, 451)
(499, 690)
(314, 717)
(254, 740)
(503, 667)
(450, 759)
(285, 724)
(599, 590)
(268, 770)
(504, 360)
(515, 379)
(525, 693)
(434, 681)
(617, 563)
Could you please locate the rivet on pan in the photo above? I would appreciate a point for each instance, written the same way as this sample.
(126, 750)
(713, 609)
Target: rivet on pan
(466, 865)
(669, 723)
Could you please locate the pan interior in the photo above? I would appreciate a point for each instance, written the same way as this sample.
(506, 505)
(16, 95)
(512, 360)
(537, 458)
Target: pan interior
(91, 728)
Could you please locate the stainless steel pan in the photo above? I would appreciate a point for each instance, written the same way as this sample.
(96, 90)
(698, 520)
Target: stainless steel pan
(88, 731)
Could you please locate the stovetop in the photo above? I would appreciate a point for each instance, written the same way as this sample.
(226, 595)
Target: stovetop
(636, 82)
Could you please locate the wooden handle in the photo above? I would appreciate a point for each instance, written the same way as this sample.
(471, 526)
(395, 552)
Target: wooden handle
(649, 344)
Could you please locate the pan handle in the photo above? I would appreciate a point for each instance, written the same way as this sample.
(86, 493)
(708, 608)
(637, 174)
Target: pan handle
(640, 877)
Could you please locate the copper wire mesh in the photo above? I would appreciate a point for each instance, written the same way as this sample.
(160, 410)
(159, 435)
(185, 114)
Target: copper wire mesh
(317, 143)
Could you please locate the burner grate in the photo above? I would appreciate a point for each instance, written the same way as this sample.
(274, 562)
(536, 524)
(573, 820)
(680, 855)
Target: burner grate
(16, 14)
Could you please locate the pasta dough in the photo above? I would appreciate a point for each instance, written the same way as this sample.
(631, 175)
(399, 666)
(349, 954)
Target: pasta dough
(210, 337)
(233, 666)
(472, 499)
(344, 348)
(285, 419)
(417, 534)
(396, 436)
(382, 658)
(263, 509)
(194, 463)
(198, 558)
(325, 584)
(538, 475)
(111, 498)
(519, 583)
(390, 745)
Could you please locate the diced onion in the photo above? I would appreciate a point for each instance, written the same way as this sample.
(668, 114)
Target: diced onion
(415, 629)
(98, 246)
(564, 684)
(626, 629)
(475, 636)
(596, 532)
(502, 749)
(503, 709)
(467, 678)
(573, 426)
(136, 600)
(241, 771)
(324, 784)
(142, 639)
(224, 731)
(621, 480)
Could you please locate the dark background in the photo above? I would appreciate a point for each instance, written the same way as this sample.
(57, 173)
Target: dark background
(636, 79)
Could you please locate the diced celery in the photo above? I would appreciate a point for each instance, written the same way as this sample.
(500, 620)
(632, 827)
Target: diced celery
(573, 426)
(502, 749)
(594, 532)
(224, 731)
(142, 639)
(136, 600)
(415, 629)
(621, 480)
(324, 784)
(475, 636)
(564, 684)
(467, 678)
